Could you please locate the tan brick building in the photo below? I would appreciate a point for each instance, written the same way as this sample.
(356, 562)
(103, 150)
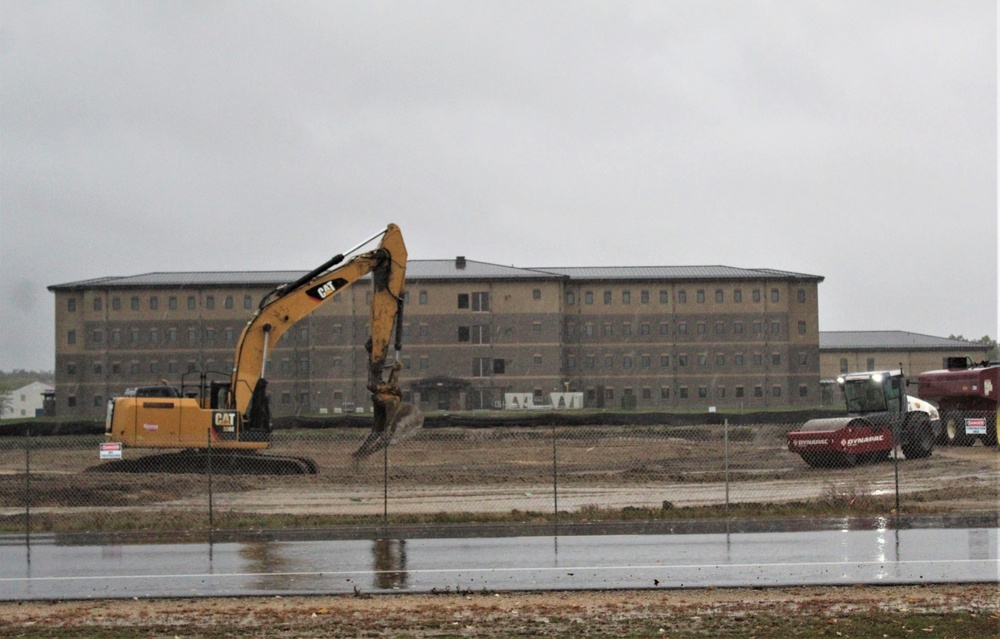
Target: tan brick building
(684, 338)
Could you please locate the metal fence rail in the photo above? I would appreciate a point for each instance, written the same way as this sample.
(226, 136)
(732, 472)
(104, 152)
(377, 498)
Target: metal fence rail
(507, 474)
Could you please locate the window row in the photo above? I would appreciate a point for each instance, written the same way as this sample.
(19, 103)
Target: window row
(700, 296)
(698, 392)
(172, 302)
(629, 362)
(626, 329)
(155, 335)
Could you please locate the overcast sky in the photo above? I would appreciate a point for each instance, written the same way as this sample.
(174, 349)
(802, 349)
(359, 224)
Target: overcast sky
(852, 140)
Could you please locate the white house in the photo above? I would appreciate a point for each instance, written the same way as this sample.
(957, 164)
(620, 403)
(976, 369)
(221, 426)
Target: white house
(26, 401)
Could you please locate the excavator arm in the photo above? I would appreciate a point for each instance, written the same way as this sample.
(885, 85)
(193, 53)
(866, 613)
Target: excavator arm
(288, 304)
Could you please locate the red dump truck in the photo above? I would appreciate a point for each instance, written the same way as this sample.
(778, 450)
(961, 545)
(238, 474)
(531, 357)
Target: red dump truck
(880, 416)
(966, 394)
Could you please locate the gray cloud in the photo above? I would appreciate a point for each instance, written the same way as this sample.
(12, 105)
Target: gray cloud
(854, 140)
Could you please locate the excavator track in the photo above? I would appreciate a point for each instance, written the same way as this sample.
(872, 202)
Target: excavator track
(216, 462)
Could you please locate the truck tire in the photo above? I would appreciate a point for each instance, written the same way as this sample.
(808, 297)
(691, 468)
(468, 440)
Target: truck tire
(954, 429)
(918, 436)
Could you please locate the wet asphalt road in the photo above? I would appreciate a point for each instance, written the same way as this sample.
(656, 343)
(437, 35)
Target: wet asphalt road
(52, 570)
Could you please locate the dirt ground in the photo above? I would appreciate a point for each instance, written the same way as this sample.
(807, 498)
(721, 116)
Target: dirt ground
(960, 611)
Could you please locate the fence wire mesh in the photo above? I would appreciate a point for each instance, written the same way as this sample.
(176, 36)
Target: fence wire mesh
(507, 474)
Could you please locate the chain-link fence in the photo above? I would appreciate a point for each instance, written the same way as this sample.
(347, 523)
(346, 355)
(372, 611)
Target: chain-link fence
(504, 474)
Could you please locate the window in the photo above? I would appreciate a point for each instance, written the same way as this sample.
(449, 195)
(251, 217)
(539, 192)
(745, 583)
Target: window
(626, 297)
(644, 297)
(481, 366)
(247, 302)
(702, 392)
(739, 391)
(664, 361)
(97, 400)
(134, 335)
(738, 359)
(774, 295)
(700, 295)
(609, 361)
(209, 334)
(590, 361)
(192, 334)
(800, 295)
(802, 328)
(609, 393)
(644, 328)
(645, 361)
(230, 335)
(682, 328)
(738, 328)
(756, 295)
(627, 362)
(98, 337)
(757, 329)
(210, 302)
(463, 333)
(154, 335)
(133, 368)
(682, 360)
(498, 367)
(134, 303)
(626, 328)
(537, 358)
(336, 362)
(664, 392)
(871, 364)
(536, 327)
(720, 328)
(683, 392)
(588, 297)
(589, 329)
(71, 369)
(172, 303)
(338, 329)
(719, 297)
(608, 329)
(758, 359)
(803, 359)
(286, 366)
(843, 364)
(172, 367)
(776, 391)
(228, 303)
(607, 297)
(154, 367)
(154, 303)
(116, 335)
(775, 359)
(664, 329)
(738, 295)
(701, 328)
(97, 368)
(758, 391)
(570, 362)
(97, 303)
(71, 401)
(481, 301)
(116, 303)
(682, 297)
(286, 398)
(71, 305)
(803, 390)
(702, 360)
(536, 294)
(425, 329)
(664, 297)
(647, 393)
(422, 297)
(720, 392)
(304, 333)
(570, 298)
(192, 303)
(775, 328)
(720, 360)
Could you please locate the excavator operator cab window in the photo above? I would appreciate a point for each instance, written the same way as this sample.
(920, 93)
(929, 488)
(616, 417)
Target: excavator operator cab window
(219, 395)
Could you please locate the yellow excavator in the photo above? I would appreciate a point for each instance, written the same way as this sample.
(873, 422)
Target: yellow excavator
(226, 423)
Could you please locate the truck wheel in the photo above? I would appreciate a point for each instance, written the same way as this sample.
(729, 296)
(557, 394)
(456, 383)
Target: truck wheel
(954, 429)
(918, 436)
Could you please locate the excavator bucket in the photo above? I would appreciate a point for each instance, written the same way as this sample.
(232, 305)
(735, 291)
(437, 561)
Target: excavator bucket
(395, 422)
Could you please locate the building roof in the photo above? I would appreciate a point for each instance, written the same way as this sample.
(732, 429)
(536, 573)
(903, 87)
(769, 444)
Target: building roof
(424, 270)
(890, 340)
(680, 273)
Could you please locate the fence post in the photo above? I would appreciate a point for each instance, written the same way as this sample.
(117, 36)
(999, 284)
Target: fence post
(211, 505)
(385, 485)
(555, 480)
(725, 438)
(27, 486)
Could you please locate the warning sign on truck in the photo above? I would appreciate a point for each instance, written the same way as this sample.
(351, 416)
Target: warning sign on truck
(111, 450)
(975, 426)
